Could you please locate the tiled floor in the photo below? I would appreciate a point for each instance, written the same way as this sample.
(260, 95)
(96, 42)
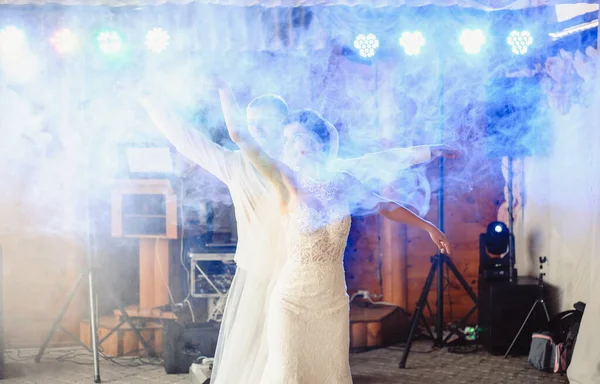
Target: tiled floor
(375, 367)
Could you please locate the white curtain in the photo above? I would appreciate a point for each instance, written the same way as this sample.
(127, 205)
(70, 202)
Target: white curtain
(561, 216)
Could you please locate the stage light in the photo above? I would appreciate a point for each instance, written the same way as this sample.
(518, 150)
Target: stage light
(12, 40)
(366, 44)
(157, 40)
(494, 253)
(109, 42)
(64, 41)
(412, 42)
(16, 60)
(472, 40)
(497, 238)
(519, 42)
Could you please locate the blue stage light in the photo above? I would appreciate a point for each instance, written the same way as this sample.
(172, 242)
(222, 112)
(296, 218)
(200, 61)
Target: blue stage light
(519, 42)
(366, 45)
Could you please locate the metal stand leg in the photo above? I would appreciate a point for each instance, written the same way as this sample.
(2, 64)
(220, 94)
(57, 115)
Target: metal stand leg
(538, 301)
(414, 322)
(93, 323)
(94, 327)
(438, 262)
(58, 320)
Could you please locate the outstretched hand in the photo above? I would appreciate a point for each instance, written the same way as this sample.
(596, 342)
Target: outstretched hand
(444, 151)
(440, 240)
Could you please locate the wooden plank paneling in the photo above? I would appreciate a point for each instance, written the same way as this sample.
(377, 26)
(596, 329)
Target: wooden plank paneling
(362, 256)
(466, 216)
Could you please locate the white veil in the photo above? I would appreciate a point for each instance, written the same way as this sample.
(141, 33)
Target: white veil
(241, 353)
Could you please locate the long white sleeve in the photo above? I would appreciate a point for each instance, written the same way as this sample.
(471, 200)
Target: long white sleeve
(192, 144)
(384, 165)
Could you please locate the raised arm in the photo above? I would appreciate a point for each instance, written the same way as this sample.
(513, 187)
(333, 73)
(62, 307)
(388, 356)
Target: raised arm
(234, 118)
(396, 160)
(191, 144)
(272, 169)
(400, 214)
(369, 201)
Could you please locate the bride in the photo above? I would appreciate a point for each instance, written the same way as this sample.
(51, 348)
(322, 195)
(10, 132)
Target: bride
(308, 318)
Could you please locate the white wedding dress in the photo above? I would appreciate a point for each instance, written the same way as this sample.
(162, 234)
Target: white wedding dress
(308, 320)
(310, 299)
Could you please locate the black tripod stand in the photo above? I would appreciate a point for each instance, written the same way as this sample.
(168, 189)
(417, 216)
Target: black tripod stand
(540, 301)
(437, 265)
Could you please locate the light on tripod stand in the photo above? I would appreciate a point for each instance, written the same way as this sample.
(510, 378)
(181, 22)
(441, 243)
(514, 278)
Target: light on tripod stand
(497, 238)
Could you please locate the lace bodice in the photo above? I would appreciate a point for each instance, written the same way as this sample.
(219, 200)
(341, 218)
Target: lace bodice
(318, 234)
(309, 309)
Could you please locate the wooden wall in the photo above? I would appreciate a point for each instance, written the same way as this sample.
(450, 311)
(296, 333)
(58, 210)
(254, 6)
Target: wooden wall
(473, 188)
(362, 259)
(41, 266)
(467, 215)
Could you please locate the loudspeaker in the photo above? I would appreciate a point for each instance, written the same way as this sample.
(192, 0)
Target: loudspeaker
(183, 344)
(503, 306)
(516, 118)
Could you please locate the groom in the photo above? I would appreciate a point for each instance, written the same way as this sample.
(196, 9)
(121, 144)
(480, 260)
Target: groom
(260, 250)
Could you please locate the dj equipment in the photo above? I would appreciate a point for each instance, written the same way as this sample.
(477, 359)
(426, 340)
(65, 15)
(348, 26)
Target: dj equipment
(184, 344)
(498, 273)
(502, 307)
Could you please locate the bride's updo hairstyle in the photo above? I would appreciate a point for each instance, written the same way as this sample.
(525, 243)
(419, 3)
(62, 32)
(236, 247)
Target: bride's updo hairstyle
(312, 121)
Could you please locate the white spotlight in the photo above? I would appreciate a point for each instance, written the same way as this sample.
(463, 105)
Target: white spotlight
(412, 42)
(519, 42)
(472, 40)
(157, 40)
(12, 40)
(366, 44)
